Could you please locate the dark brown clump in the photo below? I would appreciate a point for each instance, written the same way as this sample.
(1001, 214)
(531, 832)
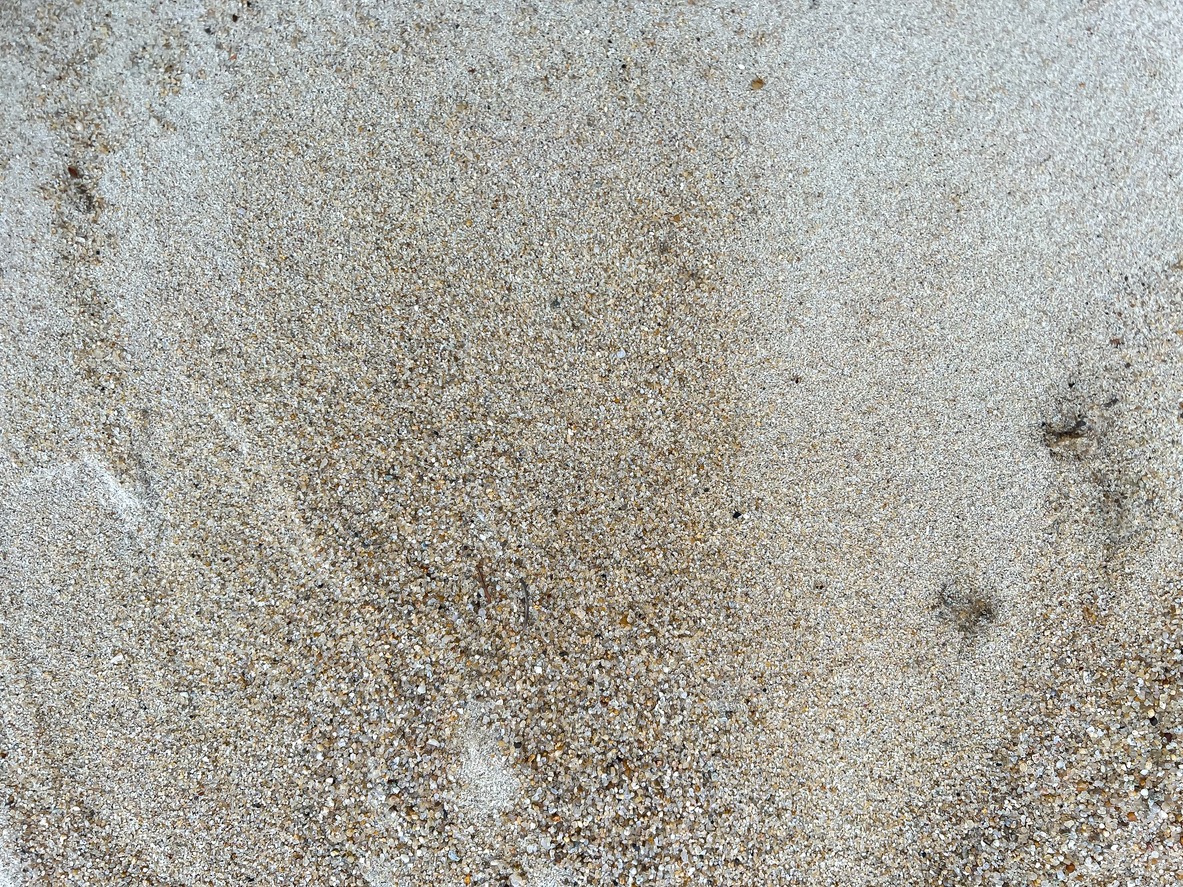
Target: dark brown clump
(1058, 433)
(966, 608)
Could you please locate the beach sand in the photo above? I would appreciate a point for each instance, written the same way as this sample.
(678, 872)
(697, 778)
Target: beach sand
(593, 444)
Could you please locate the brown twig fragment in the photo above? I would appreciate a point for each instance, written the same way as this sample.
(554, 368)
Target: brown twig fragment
(480, 577)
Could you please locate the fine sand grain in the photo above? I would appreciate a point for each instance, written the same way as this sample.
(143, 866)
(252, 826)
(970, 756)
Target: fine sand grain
(591, 444)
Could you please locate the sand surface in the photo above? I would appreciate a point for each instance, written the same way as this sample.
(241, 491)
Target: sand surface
(449, 444)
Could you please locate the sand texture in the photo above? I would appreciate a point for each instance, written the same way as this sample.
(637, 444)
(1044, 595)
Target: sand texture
(591, 444)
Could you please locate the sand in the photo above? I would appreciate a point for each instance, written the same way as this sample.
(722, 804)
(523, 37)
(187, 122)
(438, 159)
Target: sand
(591, 444)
